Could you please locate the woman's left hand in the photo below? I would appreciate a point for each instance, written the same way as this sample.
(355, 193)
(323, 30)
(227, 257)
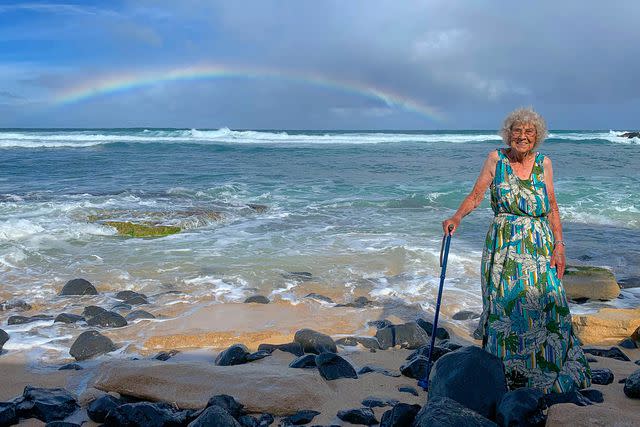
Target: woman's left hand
(558, 260)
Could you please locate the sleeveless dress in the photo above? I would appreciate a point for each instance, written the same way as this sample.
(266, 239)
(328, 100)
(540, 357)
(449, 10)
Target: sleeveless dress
(525, 319)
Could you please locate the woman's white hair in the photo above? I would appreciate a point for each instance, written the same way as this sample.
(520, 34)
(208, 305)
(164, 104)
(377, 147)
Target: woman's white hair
(522, 116)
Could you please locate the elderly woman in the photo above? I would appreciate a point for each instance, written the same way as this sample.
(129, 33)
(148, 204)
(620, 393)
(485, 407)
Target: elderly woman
(525, 319)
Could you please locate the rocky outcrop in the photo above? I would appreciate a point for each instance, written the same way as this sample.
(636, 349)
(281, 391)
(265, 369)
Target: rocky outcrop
(590, 282)
(608, 326)
(131, 229)
(90, 344)
(631, 135)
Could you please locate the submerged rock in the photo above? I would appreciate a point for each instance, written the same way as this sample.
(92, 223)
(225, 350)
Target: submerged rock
(78, 287)
(131, 229)
(107, 319)
(465, 315)
(90, 344)
(20, 320)
(126, 295)
(214, 416)
(68, 318)
(166, 355)
(595, 283)
(14, 304)
(228, 403)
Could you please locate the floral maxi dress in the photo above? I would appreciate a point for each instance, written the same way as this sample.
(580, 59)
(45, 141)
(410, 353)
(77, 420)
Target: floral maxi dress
(525, 319)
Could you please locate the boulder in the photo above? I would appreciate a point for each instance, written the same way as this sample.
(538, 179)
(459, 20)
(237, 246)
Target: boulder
(234, 355)
(593, 395)
(46, 404)
(408, 335)
(214, 416)
(100, 407)
(632, 385)
(292, 347)
(90, 344)
(306, 361)
(629, 343)
(366, 342)
(607, 326)
(228, 403)
(602, 376)
(629, 282)
(315, 342)
(68, 318)
(8, 414)
(258, 299)
(522, 407)
(78, 287)
(136, 300)
(139, 314)
(331, 367)
(465, 315)
(401, 415)
(92, 311)
(300, 417)
(445, 412)
(594, 283)
(363, 416)
(471, 376)
(144, 414)
(441, 333)
(4, 337)
(107, 319)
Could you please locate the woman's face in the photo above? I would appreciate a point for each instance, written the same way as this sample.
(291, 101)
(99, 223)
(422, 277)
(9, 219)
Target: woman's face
(522, 137)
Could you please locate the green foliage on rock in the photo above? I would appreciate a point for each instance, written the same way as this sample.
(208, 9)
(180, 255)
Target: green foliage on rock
(131, 229)
(587, 270)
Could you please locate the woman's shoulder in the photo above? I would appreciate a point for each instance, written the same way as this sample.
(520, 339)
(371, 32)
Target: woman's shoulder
(494, 155)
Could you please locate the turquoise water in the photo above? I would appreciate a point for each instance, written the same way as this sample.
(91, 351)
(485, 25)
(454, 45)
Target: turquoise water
(355, 209)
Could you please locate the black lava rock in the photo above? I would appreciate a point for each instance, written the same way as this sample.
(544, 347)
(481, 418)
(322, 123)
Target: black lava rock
(121, 307)
(446, 412)
(364, 416)
(15, 304)
(628, 343)
(438, 352)
(144, 414)
(602, 376)
(379, 324)
(126, 295)
(139, 314)
(300, 417)
(306, 361)
(68, 318)
(70, 367)
(613, 353)
(415, 368)
(632, 385)
(366, 342)
(90, 344)
(331, 367)
(260, 354)
(407, 389)
(593, 395)
(248, 421)
(265, 420)
(228, 403)
(368, 368)
(166, 355)
(8, 414)
(215, 416)
(408, 335)
(441, 333)
(292, 347)
(378, 402)
(136, 300)
(522, 407)
(359, 302)
(451, 346)
(315, 342)
(258, 299)
(78, 287)
(4, 337)
(100, 407)
(471, 376)
(92, 310)
(234, 355)
(19, 320)
(569, 397)
(46, 404)
(464, 315)
(107, 319)
(401, 415)
(319, 297)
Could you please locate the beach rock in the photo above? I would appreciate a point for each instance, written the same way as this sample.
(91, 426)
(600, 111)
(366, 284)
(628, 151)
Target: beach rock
(78, 287)
(14, 304)
(366, 342)
(612, 353)
(90, 344)
(628, 343)
(319, 297)
(166, 355)
(569, 397)
(464, 315)
(214, 416)
(632, 385)
(591, 416)
(144, 414)
(445, 412)
(306, 361)
(261, 354)
(61, 424)
(522, 407)
(228, 403)
(368, 368)
(300, 417)
(441, 333)
(607, 326)
(593, 395)
(378, 402)
(407, 335)
(471, 376)
(400, 415)
(331, 367)
(70, 367)
(46, 404)
(4, 337)
(379, 324)
(234, 355)
(415, 368)
(601, 376)
(136, 300)
(629, 282)
(92, 311)
(20, 320)
(438, 352)
(258, 208)
(359, 302)
(100, 407)
(8, 414)
(265, 420)
(68, 318)
(258, 299)
(315, 342)
(451, 346)
(139, 314)
(126, 295)
(121, 307)
(294, 348)
(408, 389)
(635, 336)
(248, 421)
(107, 319)
(631, 135)
(595, 283)
(363, 416)
(130, 229)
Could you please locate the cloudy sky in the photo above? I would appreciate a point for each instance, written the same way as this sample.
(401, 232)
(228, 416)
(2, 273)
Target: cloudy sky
(293, 64)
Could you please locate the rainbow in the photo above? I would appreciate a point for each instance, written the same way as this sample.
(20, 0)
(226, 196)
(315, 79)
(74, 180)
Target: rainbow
(129, 81)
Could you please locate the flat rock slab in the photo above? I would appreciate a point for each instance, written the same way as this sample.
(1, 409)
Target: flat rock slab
(568, 414)
(607, 326)
(261, 388)
(595, 283)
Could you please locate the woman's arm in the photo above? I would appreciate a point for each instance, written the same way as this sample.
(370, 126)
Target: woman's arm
(557, 258)
(474, 198)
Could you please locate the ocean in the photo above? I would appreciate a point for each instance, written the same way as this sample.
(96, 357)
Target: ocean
(352, 210)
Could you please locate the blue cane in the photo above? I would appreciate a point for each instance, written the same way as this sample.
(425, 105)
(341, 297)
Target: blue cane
(444, 248)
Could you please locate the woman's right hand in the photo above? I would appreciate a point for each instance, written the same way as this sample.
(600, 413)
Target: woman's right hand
(450, 224)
